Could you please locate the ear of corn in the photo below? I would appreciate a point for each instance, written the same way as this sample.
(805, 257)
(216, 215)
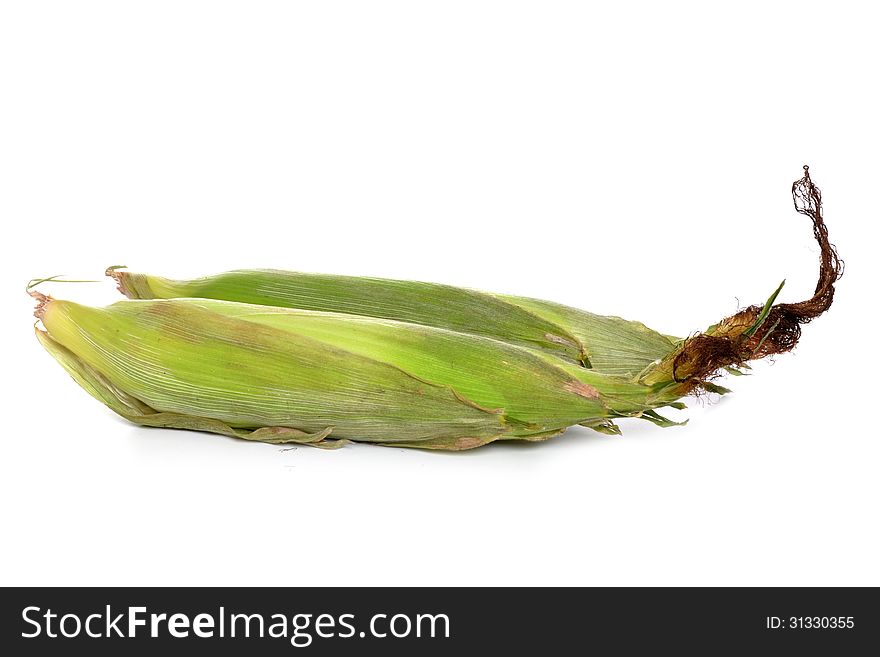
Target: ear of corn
(607, 344)
(281, 375)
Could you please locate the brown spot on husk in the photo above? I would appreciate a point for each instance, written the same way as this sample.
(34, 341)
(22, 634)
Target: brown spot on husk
(735, 340)
(582, 389)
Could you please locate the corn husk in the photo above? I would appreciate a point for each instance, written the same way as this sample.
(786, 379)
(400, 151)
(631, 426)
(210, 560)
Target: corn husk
(282, 375)
(609, 345)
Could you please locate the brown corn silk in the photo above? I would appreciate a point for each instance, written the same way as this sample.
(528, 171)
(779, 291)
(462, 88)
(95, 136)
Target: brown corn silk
(760, 331)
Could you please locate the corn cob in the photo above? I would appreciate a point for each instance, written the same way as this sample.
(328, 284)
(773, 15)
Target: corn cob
(442, 379)
(281, 375)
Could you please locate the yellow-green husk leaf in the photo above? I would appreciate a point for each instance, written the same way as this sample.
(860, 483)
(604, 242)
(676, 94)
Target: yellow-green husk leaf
(286, 375)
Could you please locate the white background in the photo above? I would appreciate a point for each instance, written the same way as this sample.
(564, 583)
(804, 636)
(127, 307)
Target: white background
(627, 158)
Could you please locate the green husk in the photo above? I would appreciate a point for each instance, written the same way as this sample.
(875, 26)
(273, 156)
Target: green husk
(282, 375)
(606, 344)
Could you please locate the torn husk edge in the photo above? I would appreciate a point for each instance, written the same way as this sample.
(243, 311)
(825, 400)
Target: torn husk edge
(133, 286)
(758, 331)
